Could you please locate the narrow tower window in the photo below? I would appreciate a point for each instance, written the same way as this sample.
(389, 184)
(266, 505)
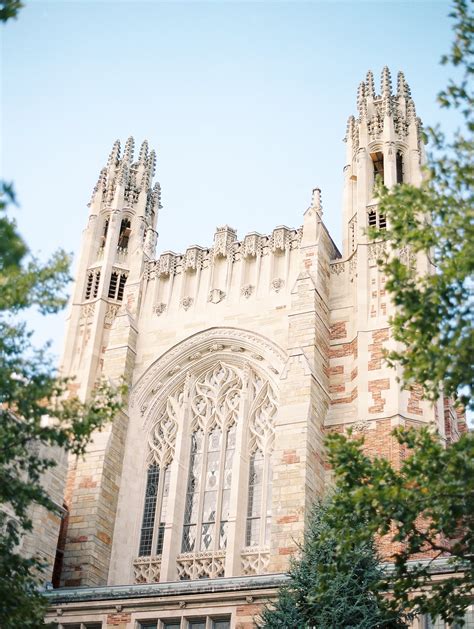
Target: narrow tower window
(96, 284)
(104, 233)
(377, 161)
(399, 162)
(124, 236)
(90, 281)
(123, 279)
(372, 218)
(113, 285)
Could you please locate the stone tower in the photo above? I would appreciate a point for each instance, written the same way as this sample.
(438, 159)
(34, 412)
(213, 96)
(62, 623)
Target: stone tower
(101, 337)
(240, 356)
(385, 141)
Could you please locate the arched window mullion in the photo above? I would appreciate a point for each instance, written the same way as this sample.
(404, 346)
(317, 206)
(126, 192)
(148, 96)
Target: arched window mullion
(220, 491)
(158, 508)
(202, 489)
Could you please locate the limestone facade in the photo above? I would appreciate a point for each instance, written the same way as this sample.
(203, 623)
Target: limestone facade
(239, 356)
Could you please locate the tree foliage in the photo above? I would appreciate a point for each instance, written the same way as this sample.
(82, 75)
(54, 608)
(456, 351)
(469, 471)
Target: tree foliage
(36, 409)
(435, 311)
(333, 585)
(426, 506)
(9, 9)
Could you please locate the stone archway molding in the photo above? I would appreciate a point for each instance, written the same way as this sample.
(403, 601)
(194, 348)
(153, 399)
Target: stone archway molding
(211, 344)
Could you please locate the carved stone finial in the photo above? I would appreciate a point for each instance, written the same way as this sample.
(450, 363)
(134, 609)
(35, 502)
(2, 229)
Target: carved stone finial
(143, 152)
(151, 164)
(386, 83)
(316, 200)
(361, 100)
(114, 154)
(402, 86)
(350, 128)
(411, 111)
(128, 151)
(101, 184)
(370, 87)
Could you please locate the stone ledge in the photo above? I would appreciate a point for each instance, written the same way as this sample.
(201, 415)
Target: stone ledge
(171, 588)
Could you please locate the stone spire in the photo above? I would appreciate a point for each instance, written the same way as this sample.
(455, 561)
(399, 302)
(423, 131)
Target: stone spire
(128, 151)
(369, 82)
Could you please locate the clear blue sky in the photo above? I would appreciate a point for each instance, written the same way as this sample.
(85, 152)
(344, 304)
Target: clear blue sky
(246, 104)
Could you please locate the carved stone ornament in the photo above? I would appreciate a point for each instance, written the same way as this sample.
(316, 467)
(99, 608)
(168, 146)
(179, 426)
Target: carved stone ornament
(187, 302)
(251, 245)
(215, 295)
(247, 290)
(150, 242)
(159, 309)
(361, 425)
(224, 239)
(212, 340)
(277, 284)
(280, 239)
(166, 264)
(87, 311)
(376, 252)
(337, 268)
(353, 265)
(192, 259)
(110, 314)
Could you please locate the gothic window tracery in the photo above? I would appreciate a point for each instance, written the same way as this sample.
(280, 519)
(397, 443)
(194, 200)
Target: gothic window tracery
(161, 446)
(210, 405)
(215, 402)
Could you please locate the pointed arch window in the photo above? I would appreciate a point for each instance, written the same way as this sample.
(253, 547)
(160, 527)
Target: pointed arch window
(378, 166)
(261, 437)
(215, 403)
(161, 452)
(399, 167)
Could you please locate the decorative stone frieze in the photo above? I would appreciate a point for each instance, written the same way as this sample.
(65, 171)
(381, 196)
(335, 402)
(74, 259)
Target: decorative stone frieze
(254, 560)
(146, 569)
(202, 565)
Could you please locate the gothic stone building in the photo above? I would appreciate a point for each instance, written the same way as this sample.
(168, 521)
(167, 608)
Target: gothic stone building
(239, 357)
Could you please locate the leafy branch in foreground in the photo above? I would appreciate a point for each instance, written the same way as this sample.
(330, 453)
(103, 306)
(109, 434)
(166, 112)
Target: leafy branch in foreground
(36, 409)
(426, 506)
(435, 310)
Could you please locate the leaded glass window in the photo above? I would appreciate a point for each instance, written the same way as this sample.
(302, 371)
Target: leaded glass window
(153, 523)
(215, 402)
(161, 443)
(259, 503)
(207, 502)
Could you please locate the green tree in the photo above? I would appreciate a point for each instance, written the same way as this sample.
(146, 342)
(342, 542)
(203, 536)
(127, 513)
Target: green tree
(333, 585)
(30, 393)
(425, 506)
(35, 408)
(9, 9)
(435, 313)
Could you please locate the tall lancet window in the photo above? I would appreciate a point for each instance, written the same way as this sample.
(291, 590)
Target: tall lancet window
(261, 436)
(161, 443)
(215, 403)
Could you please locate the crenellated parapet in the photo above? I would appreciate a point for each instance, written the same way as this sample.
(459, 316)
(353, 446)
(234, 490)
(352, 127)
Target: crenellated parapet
(226, 246)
